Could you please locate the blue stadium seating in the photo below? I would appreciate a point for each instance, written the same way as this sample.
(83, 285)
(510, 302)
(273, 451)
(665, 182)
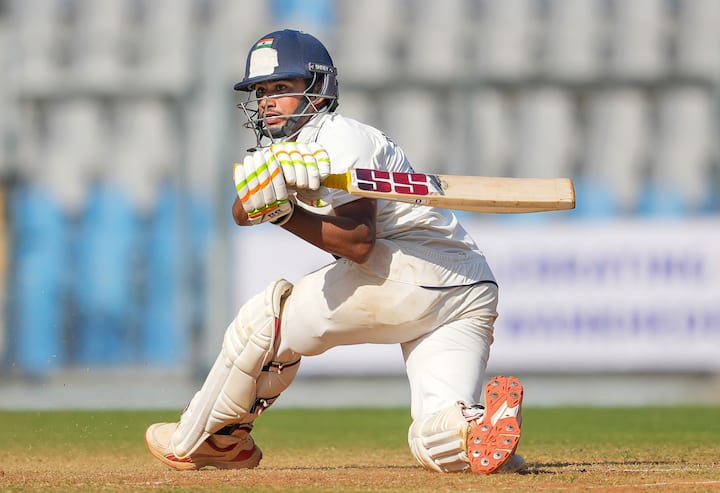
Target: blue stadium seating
(106, 284)
(39, 278)
(165, 336)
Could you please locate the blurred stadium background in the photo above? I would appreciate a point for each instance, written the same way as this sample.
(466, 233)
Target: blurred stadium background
(118, 130)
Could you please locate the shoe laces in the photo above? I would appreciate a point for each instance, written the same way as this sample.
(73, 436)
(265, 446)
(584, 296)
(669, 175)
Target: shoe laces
(472, 413)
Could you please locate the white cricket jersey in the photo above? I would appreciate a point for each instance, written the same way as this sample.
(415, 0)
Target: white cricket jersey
(415, 244)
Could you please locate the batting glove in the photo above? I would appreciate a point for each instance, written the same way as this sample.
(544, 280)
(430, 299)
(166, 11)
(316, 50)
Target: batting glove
(260, 184)
(304, 165)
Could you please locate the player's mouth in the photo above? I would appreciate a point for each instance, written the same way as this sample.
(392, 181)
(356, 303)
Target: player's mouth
(272, 120)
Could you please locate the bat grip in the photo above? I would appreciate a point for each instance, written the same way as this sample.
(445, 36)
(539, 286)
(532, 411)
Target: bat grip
(340, 181)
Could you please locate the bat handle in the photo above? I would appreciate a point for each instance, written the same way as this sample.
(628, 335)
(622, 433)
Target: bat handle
(341, 181)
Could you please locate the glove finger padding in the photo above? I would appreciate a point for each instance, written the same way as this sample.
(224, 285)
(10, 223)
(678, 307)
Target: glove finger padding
(322, 160)
(242, 187)
(266, 191)
(311, 167)
(283, 157)
(261, 187)
(275, 176)
(252, 198)
(304, 165)
(298, 161)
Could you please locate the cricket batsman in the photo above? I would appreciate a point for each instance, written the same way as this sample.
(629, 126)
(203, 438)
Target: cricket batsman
(402, 274)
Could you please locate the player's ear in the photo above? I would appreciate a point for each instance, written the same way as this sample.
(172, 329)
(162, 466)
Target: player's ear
(318, 102)
(316, 86)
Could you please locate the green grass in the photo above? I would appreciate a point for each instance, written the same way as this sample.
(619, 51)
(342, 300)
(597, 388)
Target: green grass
(292, 429)
(685, 428)
(568, 449)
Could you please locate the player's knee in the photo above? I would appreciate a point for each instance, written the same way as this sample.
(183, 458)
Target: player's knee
(303, 332)
(439, 441)
(305, 345)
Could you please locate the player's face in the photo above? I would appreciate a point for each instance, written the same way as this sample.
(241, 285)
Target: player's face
(277, 99)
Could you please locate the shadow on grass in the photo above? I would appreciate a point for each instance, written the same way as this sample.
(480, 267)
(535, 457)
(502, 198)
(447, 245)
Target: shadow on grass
(551, 467)
(366, 467)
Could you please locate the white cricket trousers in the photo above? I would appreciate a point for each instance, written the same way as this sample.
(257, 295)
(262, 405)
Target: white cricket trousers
(445, 333)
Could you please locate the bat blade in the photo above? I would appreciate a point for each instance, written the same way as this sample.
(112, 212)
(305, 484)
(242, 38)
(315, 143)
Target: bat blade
(498, 195)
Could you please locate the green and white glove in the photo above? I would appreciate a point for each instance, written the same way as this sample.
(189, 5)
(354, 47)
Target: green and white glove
(260, 184)
(305, 165)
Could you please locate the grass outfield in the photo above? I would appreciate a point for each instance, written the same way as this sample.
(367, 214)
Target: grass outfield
(666, 449)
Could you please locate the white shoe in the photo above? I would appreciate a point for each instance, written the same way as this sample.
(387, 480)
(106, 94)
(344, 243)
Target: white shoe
(493, 440)
(235, 451)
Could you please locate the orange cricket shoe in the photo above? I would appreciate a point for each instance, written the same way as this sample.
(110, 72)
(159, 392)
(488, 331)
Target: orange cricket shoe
(493, 440)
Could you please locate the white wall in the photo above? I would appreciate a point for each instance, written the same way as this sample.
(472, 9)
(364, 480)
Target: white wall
(621, 295)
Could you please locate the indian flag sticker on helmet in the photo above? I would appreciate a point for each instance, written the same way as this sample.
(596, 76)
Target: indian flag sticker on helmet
(263, 59)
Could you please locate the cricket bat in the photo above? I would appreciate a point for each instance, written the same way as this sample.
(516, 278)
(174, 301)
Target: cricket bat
(464, 193)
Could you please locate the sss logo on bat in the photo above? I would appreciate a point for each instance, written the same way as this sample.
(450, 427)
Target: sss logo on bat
(375, 180)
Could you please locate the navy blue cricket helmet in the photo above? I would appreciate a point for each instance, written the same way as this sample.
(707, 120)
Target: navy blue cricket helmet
(289, 54)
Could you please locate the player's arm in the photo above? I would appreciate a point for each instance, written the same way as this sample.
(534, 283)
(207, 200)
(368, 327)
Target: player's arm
(350, 233)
